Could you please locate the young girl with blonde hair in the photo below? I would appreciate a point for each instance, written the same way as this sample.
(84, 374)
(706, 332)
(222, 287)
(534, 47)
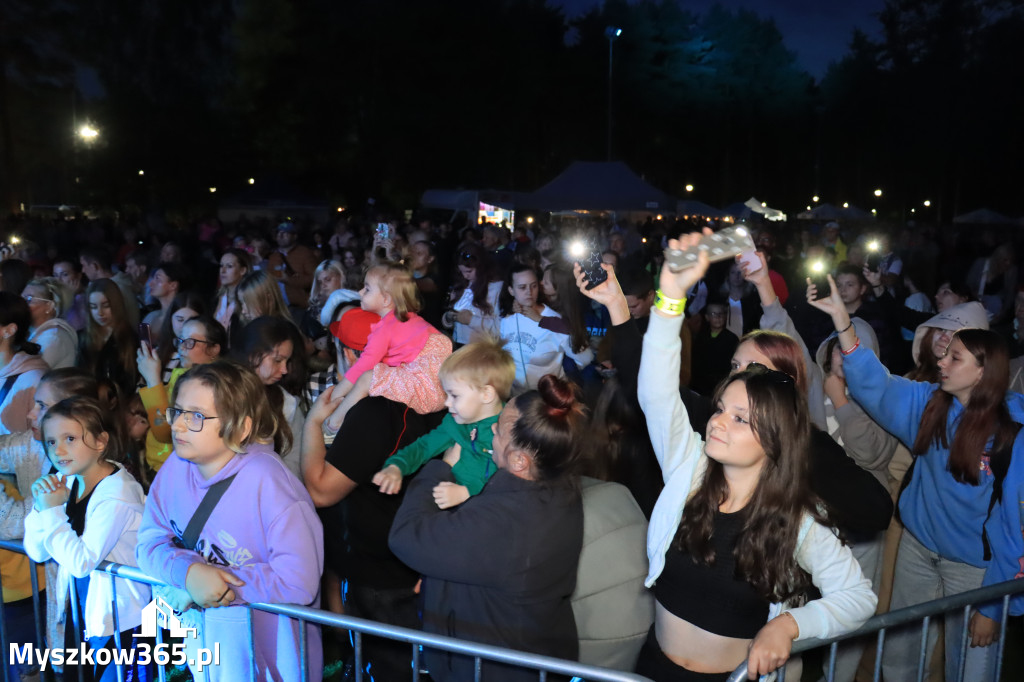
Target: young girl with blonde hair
(403, 353)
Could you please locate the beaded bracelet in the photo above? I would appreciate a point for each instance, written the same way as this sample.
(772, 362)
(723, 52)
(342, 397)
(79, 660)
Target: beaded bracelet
(669, 306)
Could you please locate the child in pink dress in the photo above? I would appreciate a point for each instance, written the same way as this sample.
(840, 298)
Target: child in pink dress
(403, 354)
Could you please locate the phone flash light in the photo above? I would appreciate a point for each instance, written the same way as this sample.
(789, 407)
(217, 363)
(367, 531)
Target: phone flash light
(577, 250)
(15, 240)
(873, 245)
(817, 267)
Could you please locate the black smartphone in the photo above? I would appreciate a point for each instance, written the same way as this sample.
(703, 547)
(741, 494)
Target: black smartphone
(588, 255)
(817, 272)
(146, 334)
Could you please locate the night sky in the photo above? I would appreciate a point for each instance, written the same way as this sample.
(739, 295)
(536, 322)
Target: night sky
(819, 32)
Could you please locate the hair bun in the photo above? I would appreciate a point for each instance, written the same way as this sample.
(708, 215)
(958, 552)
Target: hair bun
(558, 395)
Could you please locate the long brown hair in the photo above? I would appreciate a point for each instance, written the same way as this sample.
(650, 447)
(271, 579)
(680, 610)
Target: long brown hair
(765, 550)
(985, 415)
(927, 368)
(125, 340)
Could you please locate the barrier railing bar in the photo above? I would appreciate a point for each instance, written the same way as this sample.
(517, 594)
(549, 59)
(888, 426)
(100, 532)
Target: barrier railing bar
(963, 644)
(303, 662)
(478, 669)
(358, 646)
(922, 652)
(117, 624)
(161, 673)
(3, 625)
(878, 655)
(33, 571)
(909, 614)
(1001, 644)
(253, 675)
(360, 626)
(415, 663)
(493, 653)
(76, 621)
(833, 651)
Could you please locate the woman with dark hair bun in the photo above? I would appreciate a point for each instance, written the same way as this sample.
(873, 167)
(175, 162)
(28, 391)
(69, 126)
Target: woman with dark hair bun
(501, 567)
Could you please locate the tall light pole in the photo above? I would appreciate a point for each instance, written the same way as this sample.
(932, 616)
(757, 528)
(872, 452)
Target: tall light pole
(611, 33)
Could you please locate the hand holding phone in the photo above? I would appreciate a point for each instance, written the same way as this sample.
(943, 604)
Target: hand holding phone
(589, 258)
(722, 245)
(146, 334)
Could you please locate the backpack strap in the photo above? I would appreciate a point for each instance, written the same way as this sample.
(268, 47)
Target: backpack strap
(8, 385)
(202, 514)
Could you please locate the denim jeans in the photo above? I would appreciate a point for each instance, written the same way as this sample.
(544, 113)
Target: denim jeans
(922, 575)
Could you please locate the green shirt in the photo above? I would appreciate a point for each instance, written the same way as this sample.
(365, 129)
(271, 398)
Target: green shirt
(475, 465)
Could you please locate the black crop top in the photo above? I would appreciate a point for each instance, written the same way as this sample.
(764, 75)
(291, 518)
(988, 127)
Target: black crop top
(712, 597)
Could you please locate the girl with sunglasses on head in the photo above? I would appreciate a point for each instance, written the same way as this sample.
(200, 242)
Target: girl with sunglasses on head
(736, 537)
(200, 341)
(475, 293)
(961, 507)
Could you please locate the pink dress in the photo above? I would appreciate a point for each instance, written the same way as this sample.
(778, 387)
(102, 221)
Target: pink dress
(405, 358)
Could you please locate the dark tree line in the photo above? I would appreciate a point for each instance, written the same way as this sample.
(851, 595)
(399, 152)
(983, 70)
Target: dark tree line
(385, 98)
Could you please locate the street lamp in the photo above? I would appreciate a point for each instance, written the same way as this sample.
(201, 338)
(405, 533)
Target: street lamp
(88, 133)
(927, 203)
(611, 33)
(689, 188)
(815, 198)
(878, 192)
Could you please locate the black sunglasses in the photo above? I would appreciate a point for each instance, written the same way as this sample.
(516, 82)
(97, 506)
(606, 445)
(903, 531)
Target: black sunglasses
(773, 374)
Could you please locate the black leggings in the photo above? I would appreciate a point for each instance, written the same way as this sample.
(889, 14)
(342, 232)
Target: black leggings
(653, 663)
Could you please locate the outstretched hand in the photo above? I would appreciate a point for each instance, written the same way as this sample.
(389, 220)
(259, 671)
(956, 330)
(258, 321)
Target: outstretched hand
(325, 404)
(759, 276)
(678, 284)
(608, 293)
(831, 304)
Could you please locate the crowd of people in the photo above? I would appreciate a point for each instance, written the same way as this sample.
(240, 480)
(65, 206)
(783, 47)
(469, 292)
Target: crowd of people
(466, 432)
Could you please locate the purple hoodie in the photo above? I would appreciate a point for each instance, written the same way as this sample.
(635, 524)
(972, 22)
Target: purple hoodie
(266, 532)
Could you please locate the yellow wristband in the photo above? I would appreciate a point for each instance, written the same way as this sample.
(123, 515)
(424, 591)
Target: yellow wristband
(669, 306)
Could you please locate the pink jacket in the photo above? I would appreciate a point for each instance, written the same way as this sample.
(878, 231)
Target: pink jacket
(392, 342)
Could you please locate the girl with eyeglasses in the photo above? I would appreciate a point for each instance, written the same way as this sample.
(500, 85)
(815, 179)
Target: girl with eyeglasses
(186, 306)
(262, 542)
(736, 536)
(200, 341)
(47, 300)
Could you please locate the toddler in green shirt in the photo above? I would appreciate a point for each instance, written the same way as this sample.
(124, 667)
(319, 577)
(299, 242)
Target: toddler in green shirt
(477, 380)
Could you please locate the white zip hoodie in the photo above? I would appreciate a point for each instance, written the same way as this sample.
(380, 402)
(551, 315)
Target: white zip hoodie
(111, 526)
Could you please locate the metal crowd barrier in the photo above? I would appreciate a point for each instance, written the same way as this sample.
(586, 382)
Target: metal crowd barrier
(359, 627)
(924, 612)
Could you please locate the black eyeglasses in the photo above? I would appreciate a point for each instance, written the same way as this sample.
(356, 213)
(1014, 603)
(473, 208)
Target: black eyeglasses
(773, 374)
(188, 344)
(193, 420)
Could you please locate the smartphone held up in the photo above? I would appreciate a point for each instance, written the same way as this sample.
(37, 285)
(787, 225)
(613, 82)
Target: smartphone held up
(588, 255)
